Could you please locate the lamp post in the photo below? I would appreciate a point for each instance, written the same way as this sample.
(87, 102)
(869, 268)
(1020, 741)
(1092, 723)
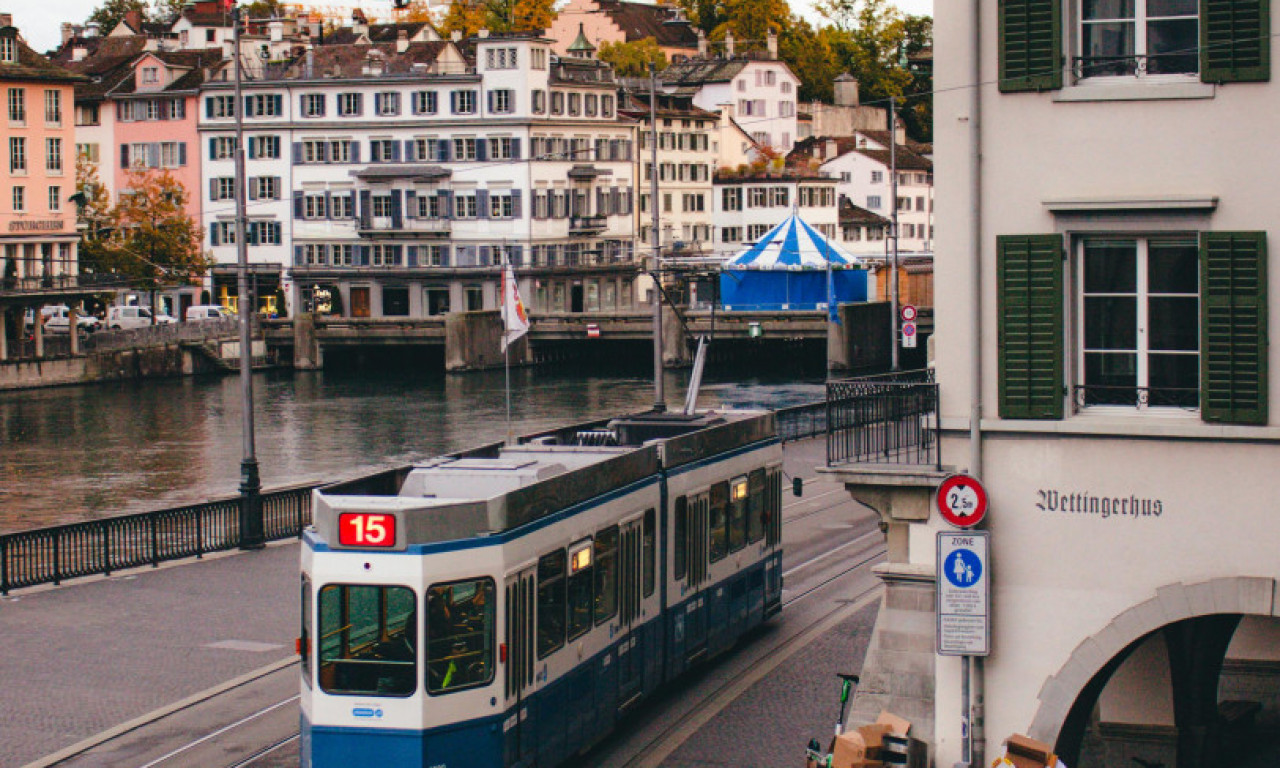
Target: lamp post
(251, 527)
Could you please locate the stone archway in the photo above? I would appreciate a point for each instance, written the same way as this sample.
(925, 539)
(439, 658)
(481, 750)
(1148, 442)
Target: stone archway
(1207, 610)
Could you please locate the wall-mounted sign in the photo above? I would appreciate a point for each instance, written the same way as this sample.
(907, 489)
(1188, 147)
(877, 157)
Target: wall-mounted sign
(35, 225)
(964, 594)
(962, 501)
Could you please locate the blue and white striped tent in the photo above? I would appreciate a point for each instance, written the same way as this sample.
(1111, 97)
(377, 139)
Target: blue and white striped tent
(788, 269)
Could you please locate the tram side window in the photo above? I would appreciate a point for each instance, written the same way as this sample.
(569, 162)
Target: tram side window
(650, 544)
(718, 524)
(679, 553)
(367, 640)
(606, 574)
(460, 632)
(551, 603)
(581, 598)
(738, 514)
(304, 641)
(757, 509)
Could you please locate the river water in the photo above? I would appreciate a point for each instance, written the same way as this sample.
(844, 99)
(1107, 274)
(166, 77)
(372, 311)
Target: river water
(79, 453)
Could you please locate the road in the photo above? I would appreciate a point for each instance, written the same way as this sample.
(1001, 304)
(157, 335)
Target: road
(755, 706)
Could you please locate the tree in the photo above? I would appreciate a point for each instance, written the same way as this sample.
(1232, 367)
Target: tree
(470, 16)
(261, 9)
(94, 214)
(152, 241)
(867, 38)
(750, 21)
(918, 111)
(633, 59)
(704, 14)
(810, 57)
(168, 11)
(416, 10)
(109, 14)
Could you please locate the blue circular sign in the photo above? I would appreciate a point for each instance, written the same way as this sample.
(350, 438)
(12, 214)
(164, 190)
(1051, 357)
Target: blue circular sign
(963, 568)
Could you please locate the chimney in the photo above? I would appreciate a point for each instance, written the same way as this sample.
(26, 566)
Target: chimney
(134, 19)
(402, 41)
(66, 32)
(702, 44)
(831, 150)
(726, 114)
(456, 35)
(773, 45)
(6, 19)
(482, 34)
(227, 49)
(728, 45)
(310, 63)
(846, 91)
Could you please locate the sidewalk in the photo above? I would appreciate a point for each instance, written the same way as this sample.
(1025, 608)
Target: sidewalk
(87, 656)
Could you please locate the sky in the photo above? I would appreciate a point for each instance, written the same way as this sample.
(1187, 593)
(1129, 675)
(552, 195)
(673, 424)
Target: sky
(42, 28)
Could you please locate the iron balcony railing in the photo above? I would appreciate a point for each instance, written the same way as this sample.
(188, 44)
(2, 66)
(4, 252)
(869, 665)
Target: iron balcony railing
(889, 419)
(49, 555)
(801, 421)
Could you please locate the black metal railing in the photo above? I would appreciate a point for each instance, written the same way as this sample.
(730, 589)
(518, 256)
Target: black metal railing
(1180, 62)
(49, 555)
(1185, 398)
(801, 421)
(890, 419)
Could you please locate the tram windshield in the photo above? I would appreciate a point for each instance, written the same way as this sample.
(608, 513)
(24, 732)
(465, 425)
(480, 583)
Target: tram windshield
(367, 640)
(460, 632)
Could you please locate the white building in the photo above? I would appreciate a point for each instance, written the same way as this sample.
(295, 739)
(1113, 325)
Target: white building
(395, 179)
(748, 205)
(762, 91)
(1104, 368)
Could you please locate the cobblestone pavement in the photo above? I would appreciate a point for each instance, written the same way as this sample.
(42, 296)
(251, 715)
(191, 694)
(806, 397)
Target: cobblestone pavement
(90, 655)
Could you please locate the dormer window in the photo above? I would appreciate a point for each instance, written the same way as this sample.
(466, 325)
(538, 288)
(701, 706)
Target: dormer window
(150, 75)
(9, 50)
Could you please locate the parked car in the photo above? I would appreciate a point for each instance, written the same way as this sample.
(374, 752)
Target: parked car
(57, 319)
(207, 312)
(134, 317)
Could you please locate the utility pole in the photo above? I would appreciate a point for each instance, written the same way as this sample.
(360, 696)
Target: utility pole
(659, 394)
(894, 341)
(251, 526)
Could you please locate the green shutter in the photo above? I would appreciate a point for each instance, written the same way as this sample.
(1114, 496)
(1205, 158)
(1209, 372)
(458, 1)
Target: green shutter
(1235, 41)
(1029, 284)
(1030, 45)
(1233, 325)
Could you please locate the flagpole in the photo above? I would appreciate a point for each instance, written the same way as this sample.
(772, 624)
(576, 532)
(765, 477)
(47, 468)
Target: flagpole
(506, 344)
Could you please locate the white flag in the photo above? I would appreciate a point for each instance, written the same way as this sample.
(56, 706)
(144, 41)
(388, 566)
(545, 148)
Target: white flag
(515, 321)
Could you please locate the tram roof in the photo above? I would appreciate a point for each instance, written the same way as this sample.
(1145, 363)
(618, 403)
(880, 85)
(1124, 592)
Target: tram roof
(497, 488)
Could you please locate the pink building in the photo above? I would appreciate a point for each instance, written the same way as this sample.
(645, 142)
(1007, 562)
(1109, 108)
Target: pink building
(155, 118)
(38, 235)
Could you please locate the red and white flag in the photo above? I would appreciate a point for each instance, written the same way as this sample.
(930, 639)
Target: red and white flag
(515, 321)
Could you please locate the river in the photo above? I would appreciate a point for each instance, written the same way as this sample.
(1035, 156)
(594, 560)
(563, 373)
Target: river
(79, 453)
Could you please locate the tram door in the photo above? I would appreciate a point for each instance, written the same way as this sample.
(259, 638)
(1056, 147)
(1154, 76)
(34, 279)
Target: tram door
(631, 650)
(519, 729)
(696, 541)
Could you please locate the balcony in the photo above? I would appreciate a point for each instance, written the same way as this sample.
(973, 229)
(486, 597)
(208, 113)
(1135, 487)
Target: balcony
(587, 225)
(407, 227)
(890, 419)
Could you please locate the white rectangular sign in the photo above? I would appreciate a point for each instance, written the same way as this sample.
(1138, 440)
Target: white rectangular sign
(964, 594)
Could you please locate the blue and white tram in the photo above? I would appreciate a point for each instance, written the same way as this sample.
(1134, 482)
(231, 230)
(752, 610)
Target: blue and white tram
(505, 606)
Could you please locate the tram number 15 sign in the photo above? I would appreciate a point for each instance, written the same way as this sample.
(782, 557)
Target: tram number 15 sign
(366, 529)
(962, 501)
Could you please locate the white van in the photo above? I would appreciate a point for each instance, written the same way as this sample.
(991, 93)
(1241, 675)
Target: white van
(206, 312)
(134, 317)
(57, 319)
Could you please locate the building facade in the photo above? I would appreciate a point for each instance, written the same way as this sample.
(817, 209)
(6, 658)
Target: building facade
(620, 21)
(763, 92)
(748, 205)
(395, 179)
(1104, 368)
(38, 237)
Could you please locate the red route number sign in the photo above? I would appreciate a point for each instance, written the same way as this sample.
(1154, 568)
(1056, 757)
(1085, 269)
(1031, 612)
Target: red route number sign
(366, 529)
(962, 501)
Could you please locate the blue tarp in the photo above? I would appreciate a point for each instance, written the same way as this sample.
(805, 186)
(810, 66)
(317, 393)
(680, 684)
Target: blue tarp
(784, 289)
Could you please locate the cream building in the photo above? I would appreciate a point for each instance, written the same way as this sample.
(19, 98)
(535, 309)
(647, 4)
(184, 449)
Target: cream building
(1102, 358)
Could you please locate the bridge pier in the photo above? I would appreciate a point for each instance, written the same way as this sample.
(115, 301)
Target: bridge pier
(307, 353)
(675, 345)
(473, 342)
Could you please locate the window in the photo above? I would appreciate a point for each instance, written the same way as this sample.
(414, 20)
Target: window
(538, 58)
(173, 154)
(264, 188)
(590, 102)
(606, 106)
(877, 177)
(314, 253)
(780, 197)
(500, 148)
(222, 233)
(755, 232)
(649, 546)
(222, 188)
(90, 152)
(263, 233)
(313, 151)
(539, 101)
(606, 568)
(343, 207)
(17, 104)
(367, 638)
(222, 148)
(552, 603)
(220, 106)
(575, 104)
(581, 598)
(1127, 38)
(17, 154)
(757, 506)
(88, 114)
(384, 150)
(464, 149)
(1140, 316)
(9, 50)
(176, 109)
(313, 206)
(264, 147)
(731, 234)
(426, 149)
(426, 102)
(53, 155)
(264, 105)
(786, 109)
(211, 35)
(464, 102)
(382, 206)
(873, 202)
(340, 151)
(718, 522)
(349, 104)
(501, 102)
(757, 197)
(343, 254)
(19, 199)
(557, 103)
(786, 86)
(500, 206)
(313, 105)
(304, 645)
(464, 206)
(382, 255)
(737, 513)
(693, 203)
(460, 635)
(731, 197)
(53, 107)
(438, 304)
(388, 103)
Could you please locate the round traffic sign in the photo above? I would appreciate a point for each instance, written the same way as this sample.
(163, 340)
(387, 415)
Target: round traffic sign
(962, 501)
(908, 329)
(908, 312)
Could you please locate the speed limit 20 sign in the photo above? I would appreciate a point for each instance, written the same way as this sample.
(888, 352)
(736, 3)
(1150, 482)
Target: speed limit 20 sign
(962, 501)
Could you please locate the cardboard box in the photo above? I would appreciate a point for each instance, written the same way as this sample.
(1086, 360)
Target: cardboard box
(848, 750)
(1024, 752)
(900, 726)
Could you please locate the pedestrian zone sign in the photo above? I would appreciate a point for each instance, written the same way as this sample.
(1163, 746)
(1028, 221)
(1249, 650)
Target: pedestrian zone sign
(964, 594)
